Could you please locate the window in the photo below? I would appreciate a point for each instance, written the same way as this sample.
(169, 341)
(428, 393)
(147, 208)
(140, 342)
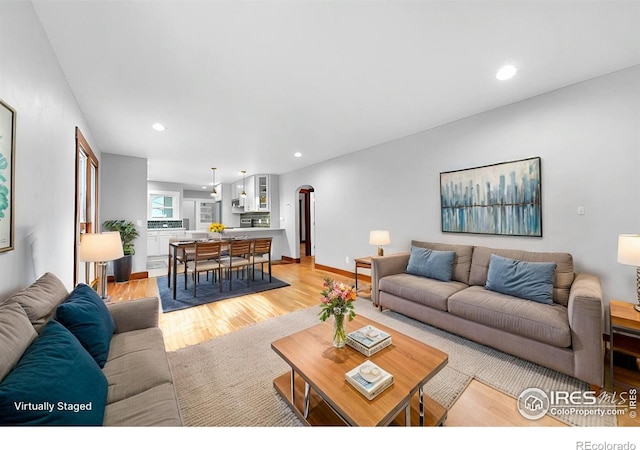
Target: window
(86, 220)
(163, 205)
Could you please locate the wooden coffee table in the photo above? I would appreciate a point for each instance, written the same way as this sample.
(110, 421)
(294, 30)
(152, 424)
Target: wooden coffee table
(318, 393)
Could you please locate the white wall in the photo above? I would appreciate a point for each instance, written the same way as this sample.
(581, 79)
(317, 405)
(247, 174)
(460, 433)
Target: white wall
(32, 82)
(124, 197)
(588, 136)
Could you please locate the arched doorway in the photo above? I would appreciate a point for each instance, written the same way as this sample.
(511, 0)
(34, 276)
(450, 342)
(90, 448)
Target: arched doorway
(306, 220)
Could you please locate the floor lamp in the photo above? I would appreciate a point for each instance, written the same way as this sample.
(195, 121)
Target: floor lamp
(101, 248)
(629, 253)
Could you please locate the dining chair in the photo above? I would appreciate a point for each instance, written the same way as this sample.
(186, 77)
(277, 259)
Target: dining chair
(207, 258)
(238, 257)
(261, 254)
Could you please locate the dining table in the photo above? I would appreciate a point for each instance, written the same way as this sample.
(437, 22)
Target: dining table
(183, 246)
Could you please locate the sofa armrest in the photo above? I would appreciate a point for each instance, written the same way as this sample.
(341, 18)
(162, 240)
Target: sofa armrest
(135, 314)
(586, 319)
(382, 266)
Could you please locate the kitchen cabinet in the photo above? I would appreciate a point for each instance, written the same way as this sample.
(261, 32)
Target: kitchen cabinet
(158, 241)
(258, 190)
(262, 196)
(152, 244)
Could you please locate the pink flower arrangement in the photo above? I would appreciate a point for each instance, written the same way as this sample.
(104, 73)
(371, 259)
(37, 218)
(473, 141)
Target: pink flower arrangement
(337, 300)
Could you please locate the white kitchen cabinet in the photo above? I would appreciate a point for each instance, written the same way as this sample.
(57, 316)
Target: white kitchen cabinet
(152, 244)
(258, 190)
(158, 241)
(262, 192)
(250, 189)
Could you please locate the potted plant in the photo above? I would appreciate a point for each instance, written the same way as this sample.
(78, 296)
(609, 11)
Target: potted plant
(128, 233)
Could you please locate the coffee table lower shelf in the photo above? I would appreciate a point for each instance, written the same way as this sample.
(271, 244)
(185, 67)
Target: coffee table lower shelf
(321, 414)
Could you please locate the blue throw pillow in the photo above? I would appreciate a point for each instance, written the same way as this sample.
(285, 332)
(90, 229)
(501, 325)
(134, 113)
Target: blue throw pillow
(429, 263)
(55, 382)
(87, 317)
(528, 280)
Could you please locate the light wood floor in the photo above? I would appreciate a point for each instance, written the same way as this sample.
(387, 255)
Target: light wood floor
(479, 405)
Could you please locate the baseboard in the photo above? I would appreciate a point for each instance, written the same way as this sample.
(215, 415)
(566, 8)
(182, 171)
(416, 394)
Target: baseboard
(346, 273)
(290, 259)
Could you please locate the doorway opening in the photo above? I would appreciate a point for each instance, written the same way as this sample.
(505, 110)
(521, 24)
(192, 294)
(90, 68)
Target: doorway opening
(306, 220)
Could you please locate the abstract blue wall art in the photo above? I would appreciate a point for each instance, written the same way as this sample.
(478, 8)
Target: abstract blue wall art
(503, 198)
(7, 164)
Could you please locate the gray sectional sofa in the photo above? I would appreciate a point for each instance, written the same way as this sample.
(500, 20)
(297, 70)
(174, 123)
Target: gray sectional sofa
(56, 374)
(565, 335)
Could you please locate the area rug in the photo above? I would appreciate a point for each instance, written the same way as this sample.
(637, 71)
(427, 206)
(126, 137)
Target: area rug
(209, 292)
(228, 381)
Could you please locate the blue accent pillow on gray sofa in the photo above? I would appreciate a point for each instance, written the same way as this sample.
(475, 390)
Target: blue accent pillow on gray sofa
(429, 263)
(55, 382)
(87, 317)
(528, 280)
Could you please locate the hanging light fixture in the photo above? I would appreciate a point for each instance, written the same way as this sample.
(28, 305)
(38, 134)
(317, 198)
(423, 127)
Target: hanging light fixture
(244, 193)
(213, 182)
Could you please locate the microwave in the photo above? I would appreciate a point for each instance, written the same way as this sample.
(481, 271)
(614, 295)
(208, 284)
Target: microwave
(235, 203)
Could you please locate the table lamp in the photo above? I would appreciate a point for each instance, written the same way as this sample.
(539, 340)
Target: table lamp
(629, 253)
(379, 238)
(101, 248)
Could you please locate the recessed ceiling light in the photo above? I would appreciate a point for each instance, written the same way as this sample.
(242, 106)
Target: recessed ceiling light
(506, 72)
(158, 127)
(297, 154)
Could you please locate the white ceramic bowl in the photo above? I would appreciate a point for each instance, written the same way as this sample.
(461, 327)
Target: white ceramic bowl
(370, 373)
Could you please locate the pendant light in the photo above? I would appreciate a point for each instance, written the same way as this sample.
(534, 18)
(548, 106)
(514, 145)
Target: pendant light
(213, 184)
(244, 193)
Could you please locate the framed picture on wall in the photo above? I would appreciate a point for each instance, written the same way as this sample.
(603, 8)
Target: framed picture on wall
(503, 198)
(7, 165)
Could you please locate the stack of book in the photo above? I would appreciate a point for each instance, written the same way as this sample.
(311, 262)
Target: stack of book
(368, 340)
(369, 379)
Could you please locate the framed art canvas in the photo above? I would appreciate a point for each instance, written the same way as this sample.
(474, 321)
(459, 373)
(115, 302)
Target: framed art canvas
(503, 198)
(7, 158)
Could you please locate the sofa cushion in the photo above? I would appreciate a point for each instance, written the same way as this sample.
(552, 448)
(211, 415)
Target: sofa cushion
(462, 261)
(40, 299)
(537, 321)
(16, 334)
(429, 263)
(562, 280)
(56, 382)
(426, 291)
(87, 317)
(155, 407)
(522, 279)
(137, 362)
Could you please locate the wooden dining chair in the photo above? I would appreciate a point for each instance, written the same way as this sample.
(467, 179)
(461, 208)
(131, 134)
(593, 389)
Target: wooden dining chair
(238, 258)
(261, 254)
(207, 258)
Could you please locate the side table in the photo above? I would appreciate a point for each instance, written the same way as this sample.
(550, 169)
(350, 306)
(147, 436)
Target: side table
(363, 263)
(624, 332)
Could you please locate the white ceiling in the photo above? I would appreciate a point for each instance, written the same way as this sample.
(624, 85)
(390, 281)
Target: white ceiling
(244, 85)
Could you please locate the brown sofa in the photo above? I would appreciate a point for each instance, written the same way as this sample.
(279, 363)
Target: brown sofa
(139, 387)
(565, 336)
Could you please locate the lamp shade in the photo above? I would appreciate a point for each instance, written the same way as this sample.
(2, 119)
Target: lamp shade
(629, 249)
(379, 237)
(101, 247)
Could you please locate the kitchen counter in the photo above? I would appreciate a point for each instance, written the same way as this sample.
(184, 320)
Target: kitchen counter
(250, 230)
(277, 245)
